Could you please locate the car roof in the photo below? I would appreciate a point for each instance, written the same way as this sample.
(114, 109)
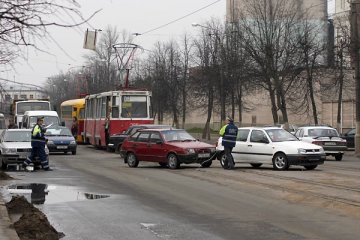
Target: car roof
(18, 130)
(151, 126)
(320, 127)
(44, 113)
(160, 129)
(264, 128)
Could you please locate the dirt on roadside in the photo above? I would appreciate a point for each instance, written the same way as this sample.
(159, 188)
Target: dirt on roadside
(33, 224)
(4, 176)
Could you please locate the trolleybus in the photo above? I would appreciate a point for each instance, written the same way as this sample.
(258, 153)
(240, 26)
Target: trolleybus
(74, 108)
(122, 108)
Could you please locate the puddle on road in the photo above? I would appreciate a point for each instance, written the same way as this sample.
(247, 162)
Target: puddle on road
(38, 193)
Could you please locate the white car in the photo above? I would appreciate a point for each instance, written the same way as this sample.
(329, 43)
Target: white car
(326, 137)
(15, 147)
(272, 145)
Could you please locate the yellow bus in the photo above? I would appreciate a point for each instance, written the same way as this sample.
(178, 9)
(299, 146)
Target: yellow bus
(74, 108)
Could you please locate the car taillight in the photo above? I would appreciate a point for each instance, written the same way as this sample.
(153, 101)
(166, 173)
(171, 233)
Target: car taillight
(318, 143)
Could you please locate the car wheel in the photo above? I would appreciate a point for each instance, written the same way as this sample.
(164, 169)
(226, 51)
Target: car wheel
(280, 162)
(118, 149)
(163, 164)
(132, 160)
(3, 165)
(338, 157)
(256, 165)
(206, 164)
(173, 161)
(73, 152)
(222, 159)
(310, 167)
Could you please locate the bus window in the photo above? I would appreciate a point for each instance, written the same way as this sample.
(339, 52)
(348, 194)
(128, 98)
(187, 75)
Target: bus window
(66, 112)
(134, 107)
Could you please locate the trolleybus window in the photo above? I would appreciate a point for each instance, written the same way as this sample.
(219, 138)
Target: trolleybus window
(134, 107)
(115, 107)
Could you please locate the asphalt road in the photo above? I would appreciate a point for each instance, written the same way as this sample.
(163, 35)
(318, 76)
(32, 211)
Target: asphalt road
(150, 202)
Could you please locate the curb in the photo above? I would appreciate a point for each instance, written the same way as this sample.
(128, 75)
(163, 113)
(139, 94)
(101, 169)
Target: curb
(7, 231)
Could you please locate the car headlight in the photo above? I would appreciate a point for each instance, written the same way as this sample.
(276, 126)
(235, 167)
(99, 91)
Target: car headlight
(72, 142)
(9, 150)
(321, 150)
(301, 151)
(190, 150)
(212, 150)
(50, 142)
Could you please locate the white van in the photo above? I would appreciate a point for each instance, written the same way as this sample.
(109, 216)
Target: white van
(30, 118)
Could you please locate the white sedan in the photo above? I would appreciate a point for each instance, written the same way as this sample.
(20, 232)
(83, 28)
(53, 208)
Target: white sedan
(15, 147)
(272, 145)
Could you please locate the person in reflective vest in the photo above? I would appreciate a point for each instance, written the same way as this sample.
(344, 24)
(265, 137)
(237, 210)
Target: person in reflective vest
(38, 143)
(229, 133)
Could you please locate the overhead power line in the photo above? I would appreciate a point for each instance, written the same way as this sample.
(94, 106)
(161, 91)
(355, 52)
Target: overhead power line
(164, 25)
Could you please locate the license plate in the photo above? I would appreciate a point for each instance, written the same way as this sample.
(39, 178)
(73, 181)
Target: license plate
(204, 155)
(61, 147)
(330, 143)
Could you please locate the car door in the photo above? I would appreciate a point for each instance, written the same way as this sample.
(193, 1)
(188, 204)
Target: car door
(239, 152)
(140, 146)
(156, 151)
(259, 147)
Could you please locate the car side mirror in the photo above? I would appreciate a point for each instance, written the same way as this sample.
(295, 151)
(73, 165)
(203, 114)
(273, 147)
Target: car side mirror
(63, 124)
(21, 125)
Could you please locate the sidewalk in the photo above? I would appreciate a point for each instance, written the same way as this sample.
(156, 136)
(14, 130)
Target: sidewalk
(6, 231)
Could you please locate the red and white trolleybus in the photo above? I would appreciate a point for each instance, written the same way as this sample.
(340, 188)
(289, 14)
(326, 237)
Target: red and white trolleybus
(123, 108)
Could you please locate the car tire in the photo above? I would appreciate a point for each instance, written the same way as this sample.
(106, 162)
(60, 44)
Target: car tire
(206, 164)
(338, 157)
(222, 160)
(173, 161)
(132, 160)
(73, 152)
(280, 162)
(163, 164)
(256, 165)
(310, 167)
(3, 165)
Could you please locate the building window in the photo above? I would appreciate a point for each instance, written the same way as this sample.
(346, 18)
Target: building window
(31, 96)
(23, 96)
(7, 97)
(15, 96)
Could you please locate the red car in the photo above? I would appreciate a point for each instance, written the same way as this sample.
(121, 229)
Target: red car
(168, 147)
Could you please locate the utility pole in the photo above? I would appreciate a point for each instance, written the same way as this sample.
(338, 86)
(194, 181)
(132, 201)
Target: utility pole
(355, 31)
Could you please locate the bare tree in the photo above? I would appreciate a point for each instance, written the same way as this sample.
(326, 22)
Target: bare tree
(23, 23)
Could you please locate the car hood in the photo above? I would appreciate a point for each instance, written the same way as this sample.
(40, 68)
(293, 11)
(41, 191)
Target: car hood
(16, 144)
(60, 138)
(296, 144)
(193, 144)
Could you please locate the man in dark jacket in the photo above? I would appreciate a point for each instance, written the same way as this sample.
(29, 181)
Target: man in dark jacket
(229, 133)
(38, 143)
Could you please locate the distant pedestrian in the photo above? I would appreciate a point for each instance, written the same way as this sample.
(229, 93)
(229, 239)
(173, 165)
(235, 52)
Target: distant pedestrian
(74, 127)
(12, 124)
(228, 133)
(38, 145)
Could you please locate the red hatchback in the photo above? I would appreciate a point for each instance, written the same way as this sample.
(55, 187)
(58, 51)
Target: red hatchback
(168, 147)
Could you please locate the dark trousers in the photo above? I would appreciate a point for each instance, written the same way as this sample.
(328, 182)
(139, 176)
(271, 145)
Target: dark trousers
(39, 151)
(229, 158)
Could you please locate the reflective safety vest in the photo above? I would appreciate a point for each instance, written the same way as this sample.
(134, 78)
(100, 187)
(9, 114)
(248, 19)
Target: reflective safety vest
(229, 134)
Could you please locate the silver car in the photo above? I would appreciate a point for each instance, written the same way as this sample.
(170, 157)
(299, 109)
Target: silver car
(15, 147)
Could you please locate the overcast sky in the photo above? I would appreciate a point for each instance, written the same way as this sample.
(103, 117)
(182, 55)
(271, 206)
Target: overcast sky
(133, 15)
(136, 16)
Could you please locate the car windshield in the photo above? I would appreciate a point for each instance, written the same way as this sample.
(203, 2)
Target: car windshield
(48, 120)
(177, 135)
(280, 135)
(58, 132)
(322, 132)
(17, 136)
